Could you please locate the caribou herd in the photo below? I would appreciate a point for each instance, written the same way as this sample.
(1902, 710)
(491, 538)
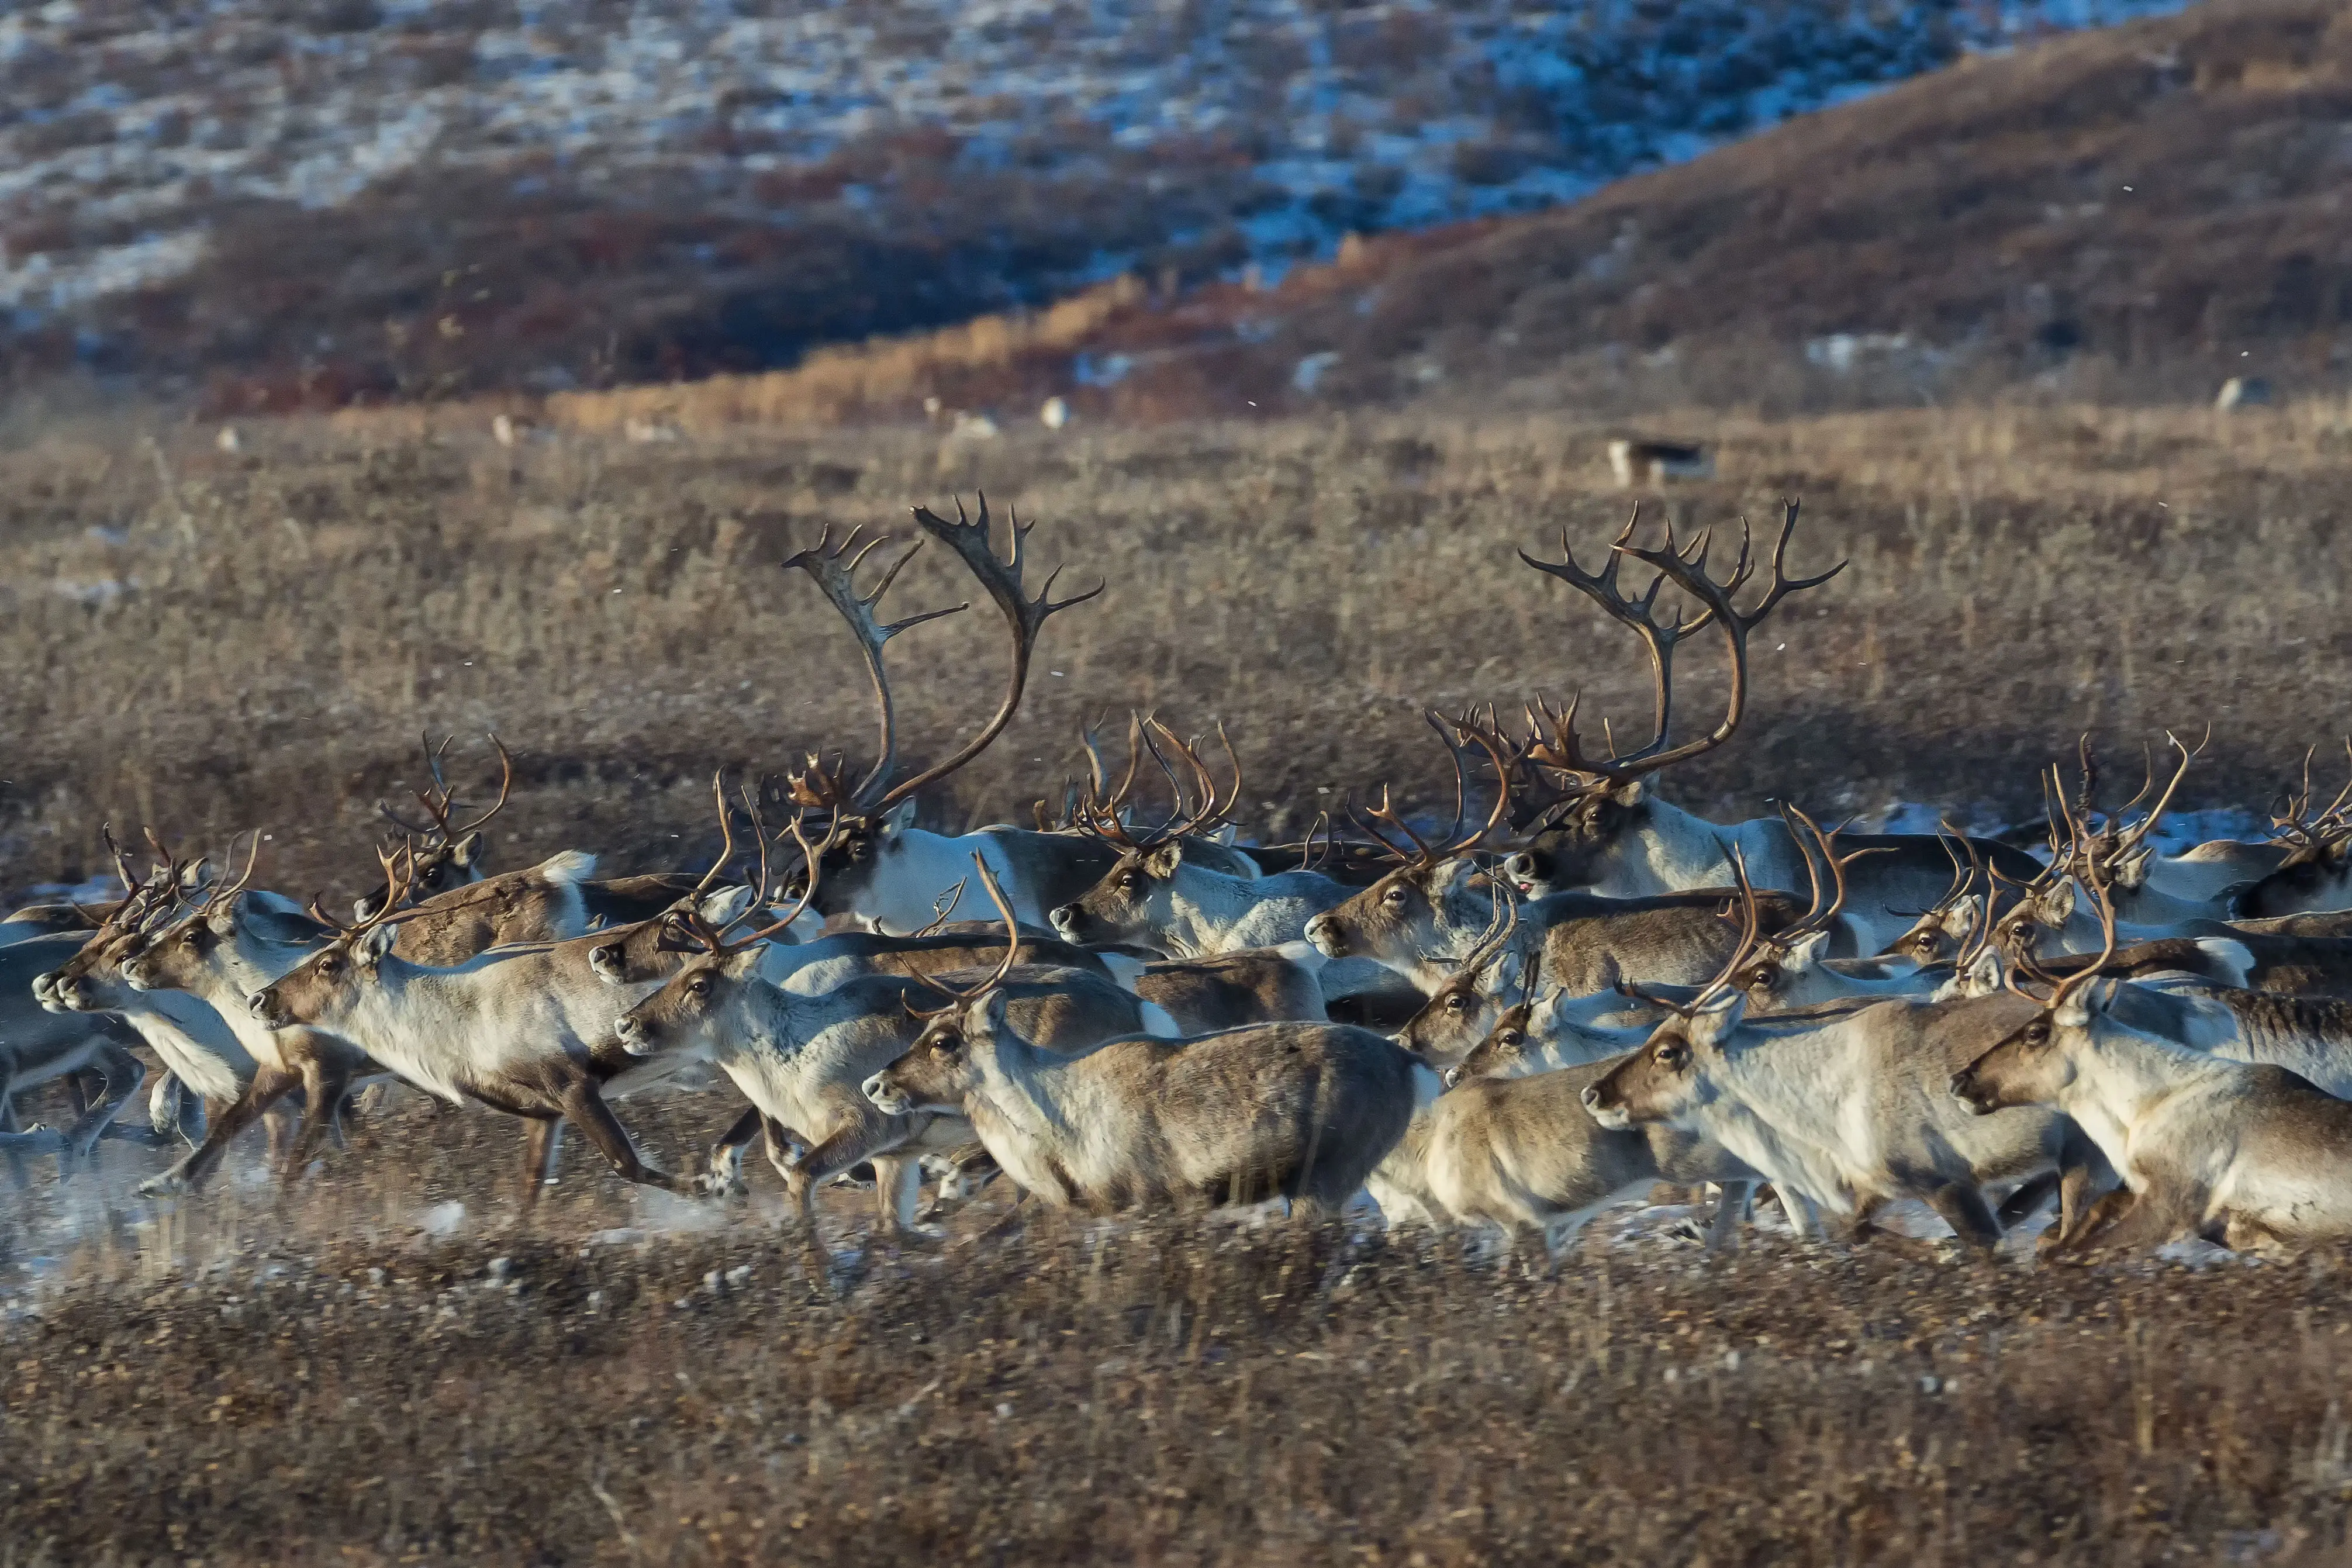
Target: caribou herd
(1569, 992)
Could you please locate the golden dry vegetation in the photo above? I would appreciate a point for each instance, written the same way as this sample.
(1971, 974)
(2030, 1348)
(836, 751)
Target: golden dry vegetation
(208, 641)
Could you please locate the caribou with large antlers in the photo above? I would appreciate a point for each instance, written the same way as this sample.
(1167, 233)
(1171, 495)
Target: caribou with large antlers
(882, 867)
(1594, 822)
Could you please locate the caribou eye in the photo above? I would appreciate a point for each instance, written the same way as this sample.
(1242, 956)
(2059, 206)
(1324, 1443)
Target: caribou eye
(1513, 1038)
(699, 986)
(1455, 1002)
(1129, 881)
(1393, 896)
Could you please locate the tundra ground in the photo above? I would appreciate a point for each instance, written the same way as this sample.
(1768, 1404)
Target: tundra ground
(209, 642)
(364, 1374)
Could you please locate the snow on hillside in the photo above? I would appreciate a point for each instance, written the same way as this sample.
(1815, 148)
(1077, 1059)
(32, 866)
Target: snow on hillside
(130, 132)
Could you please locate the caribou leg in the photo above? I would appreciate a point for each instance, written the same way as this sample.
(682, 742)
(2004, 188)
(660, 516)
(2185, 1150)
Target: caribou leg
(324, 1085)
(270, 1085)
(543, 1141)
(722, 1174)
(115, 1066)
(17, 1141)
(583, 1106)
(1961, 1206)
(1731, 1203)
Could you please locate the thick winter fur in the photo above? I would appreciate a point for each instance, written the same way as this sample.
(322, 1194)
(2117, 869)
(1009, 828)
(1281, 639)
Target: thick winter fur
(800, 1060)
(813, 968)
(1164, 898)
(1419, 921)
(1258, 985)
(1848, 1108)
(2247, 1155)
(1625, 842)
(891, 872)
(1521, 1154)
(1555, 1032)
(1298, 1111)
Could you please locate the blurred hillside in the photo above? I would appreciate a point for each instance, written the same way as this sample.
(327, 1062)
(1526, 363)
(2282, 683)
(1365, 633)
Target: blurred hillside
(2129, 215)
(283, 204)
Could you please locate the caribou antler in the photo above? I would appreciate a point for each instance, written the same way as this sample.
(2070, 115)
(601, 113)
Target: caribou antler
(1453, 842)
(968, 538)
(2094, 873)
(441, 804)
(1199, 807)
(2293, 821)
(1819, 915)
(834, 569)
(961, 997)
(1553, 745)
(1750, 922)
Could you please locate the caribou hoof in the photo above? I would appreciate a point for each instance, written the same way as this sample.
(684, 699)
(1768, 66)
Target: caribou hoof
(170, 1184)
(721, 1183)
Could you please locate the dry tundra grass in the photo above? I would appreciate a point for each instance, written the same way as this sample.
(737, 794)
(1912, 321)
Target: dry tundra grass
(324, 1381)
(207, 641)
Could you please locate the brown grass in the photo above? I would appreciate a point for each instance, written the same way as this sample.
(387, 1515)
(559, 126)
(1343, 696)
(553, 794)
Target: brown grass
(229, 1381)
(246, 1382)
(289, 617)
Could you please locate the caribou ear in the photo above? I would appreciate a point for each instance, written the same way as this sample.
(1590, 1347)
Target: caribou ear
(1960, 920)
(1983, 976)
(2085, 1004)
(462, 853)
(985, 1017)
(1806, 951)
(744, 964)
(1628, 793)
(724, 905)
(1162, 860)
(375, 943)
(901, 817)
(2056, 906)
(1713, 1024)
(193, 878)
(1452, 874)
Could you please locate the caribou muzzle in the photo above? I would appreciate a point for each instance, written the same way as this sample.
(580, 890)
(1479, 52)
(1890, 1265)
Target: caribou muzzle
(1971, 1091)
(885, 1095)
(265, 1007)
(1606, 1109)
(635, 1037)
(1329, 939)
